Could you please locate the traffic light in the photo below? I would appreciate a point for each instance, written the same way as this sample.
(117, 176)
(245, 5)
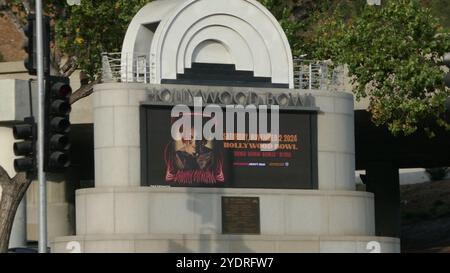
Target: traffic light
(57, 124)
(447, 63)
(30, 45)
(26, 148)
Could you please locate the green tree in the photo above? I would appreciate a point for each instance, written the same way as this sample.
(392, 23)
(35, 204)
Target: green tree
(94, 27)
(298, 20)
(283, 11)
(394, 56)
(441, 9)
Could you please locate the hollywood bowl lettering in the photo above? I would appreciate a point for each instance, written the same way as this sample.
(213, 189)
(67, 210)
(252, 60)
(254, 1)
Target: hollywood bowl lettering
(230, 97)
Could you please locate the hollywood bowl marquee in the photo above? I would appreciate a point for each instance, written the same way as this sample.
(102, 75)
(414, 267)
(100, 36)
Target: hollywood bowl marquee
(282, 98)
(278, 175)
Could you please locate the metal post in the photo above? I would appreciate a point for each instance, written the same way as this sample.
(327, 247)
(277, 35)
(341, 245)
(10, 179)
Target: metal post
(145, 69)
(40, 140)
(137, 70)
(126, 66)
(310, 77)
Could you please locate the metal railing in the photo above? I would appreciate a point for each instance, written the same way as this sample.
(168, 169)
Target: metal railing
(129, 68)
(317, 75)
(135, 68)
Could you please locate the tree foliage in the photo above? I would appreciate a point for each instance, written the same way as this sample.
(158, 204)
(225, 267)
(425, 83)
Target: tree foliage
(284, 14)
(94, 27)
(441, 9)
(437, 174)
(394, 56)
(301, 18)
(82, 32)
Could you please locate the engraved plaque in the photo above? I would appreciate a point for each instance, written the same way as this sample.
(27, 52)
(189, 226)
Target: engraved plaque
(240, 215)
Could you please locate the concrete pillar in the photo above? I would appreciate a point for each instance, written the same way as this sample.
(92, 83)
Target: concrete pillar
(18, 235)
(19, 231)
(117, 134)
(336, 140)
(382, 179)
(59, 209)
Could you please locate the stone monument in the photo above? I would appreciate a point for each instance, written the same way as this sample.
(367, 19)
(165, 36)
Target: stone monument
(225, 52)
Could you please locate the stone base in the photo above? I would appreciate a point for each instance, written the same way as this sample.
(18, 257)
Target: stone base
(147, 210)
(224, 244)
(147, 219)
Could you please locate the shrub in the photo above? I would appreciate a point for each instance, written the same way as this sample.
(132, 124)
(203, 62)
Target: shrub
(437, 174)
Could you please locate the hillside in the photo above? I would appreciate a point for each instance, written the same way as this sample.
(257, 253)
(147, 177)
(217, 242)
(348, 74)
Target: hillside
(426, 217)
(11, 41)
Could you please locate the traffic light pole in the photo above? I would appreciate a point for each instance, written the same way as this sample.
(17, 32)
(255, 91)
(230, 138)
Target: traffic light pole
(40, 130)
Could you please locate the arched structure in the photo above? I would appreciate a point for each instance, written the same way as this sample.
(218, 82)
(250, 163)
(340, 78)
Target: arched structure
(240, 37)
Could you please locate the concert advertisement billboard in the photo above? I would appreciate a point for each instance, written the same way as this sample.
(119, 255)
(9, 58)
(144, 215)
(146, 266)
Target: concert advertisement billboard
(236, 161)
